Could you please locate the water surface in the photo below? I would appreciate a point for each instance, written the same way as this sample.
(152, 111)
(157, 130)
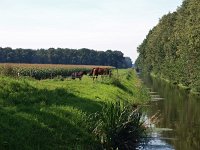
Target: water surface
(179, 125)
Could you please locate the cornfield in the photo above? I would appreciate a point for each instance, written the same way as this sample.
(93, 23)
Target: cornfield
(43, 71)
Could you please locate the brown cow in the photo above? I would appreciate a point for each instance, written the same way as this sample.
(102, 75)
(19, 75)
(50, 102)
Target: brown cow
(95, 72)
(79, 75)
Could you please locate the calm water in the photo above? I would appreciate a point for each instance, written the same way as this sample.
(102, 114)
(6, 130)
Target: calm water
(179, 126)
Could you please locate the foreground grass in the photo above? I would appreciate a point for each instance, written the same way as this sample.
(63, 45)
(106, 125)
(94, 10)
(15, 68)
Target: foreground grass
(51, 114)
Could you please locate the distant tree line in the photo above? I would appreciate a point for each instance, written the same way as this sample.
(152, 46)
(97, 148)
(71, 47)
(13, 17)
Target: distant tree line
(82, 56)
(172, 48)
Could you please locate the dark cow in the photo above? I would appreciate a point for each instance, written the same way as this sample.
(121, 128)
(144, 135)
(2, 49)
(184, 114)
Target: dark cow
(95, 72)
(79, 75)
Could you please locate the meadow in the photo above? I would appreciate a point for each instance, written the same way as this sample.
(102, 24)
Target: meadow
(53, 113)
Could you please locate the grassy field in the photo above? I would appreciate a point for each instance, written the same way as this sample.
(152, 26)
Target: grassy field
(52, 114)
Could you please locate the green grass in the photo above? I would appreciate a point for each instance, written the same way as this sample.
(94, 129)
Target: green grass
(118, 126)
(51, 114)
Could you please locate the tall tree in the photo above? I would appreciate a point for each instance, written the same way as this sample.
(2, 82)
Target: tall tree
(172, 48)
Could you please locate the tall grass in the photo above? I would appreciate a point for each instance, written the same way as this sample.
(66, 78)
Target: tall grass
(118, 126)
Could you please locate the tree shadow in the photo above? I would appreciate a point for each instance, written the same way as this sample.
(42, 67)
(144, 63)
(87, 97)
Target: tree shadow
(32, 118)
(116, 82)
(42, 130)
(25, 94)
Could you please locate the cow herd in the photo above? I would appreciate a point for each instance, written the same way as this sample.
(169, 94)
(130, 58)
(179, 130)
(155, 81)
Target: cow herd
(94, 73)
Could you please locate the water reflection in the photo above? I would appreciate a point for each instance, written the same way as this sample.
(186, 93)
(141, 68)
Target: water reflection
(156, 143)
(179, 111)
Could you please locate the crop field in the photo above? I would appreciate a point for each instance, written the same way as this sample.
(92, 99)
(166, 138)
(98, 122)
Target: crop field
(43, 71)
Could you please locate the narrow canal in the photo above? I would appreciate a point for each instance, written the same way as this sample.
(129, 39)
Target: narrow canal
(179, 121)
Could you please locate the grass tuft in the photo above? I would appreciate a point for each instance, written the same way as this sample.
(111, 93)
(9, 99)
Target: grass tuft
(117, 126)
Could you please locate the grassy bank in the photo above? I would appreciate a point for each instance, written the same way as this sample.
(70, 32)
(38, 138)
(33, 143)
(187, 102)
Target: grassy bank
(51, 114)
(192, 90)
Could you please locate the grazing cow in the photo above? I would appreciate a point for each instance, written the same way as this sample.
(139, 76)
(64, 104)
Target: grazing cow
(107, 72)
(95, 72)
(79, 75)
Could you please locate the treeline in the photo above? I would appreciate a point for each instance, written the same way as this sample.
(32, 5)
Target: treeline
(172, 48)
(65, 56)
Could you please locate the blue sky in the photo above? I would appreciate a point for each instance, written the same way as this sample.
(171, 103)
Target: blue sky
(95, 24)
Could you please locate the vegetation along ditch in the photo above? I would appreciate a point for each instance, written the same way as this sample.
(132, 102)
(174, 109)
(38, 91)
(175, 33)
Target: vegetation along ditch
(62, 113)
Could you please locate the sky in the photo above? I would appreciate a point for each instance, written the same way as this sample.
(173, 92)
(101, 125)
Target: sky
(95, 24)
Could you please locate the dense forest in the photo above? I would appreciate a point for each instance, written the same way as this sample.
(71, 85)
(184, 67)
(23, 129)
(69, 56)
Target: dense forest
(171, 49)
(65, 56)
